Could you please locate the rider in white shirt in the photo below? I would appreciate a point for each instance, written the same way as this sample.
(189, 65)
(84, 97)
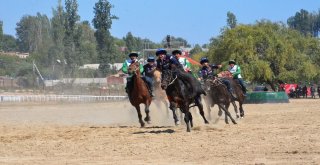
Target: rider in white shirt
(236, 73)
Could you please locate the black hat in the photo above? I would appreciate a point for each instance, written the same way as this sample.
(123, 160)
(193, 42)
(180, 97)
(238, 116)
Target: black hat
(150, 59)
(133, 54)
(203, 60)
(161, 51)
(176, 52)
(232, 62)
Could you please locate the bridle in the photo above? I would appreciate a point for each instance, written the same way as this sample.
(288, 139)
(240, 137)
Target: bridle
(169, 77)
(135, 68)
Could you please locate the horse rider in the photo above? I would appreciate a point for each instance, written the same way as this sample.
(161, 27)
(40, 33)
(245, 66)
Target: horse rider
(132, 58)
(236, 73)
(166, 61)
(182, 60)
(208, 70)
(148, 70)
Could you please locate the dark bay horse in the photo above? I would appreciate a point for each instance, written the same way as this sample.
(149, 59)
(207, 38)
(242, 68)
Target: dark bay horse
(218, 94)
(139, 93)
(240, 97)
(180, 95)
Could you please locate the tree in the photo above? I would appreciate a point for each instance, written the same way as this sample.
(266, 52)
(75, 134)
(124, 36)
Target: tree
(1, 34)
(305, 22)
(267, 52)
(58, 33)
(197, 49)
(133, 43)
(9, 43)
(70, 39)
(87, 44)
(102, 22)
(231, 20)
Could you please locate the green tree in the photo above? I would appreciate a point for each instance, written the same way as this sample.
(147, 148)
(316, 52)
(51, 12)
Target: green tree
(33, 36)
(70, 38)
(197, 49)
(267, 52)
(58, 33)
(231, 20)
(102, 22)
(305, 22)
(87, 45)
(1, 34)
(9, 43)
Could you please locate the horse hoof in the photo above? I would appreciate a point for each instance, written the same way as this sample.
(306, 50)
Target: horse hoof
(206, 122)
(177, 123)
(238, 116)
(142, 125)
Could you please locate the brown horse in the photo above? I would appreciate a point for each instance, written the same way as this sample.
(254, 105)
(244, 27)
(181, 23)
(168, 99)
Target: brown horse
(159, 92)
(139, 93)
(218, 94)
(240, 97)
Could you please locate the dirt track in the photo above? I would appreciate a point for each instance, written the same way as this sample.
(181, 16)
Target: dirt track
(108, 133)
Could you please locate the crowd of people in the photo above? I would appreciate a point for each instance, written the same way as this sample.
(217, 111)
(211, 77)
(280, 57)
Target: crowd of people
(175, 60)
(302, 91)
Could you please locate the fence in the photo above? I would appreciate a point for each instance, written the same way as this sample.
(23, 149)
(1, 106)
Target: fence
(59, 98)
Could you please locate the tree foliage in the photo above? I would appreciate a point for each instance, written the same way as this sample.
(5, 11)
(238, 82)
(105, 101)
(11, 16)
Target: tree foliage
(102, 22)
(231, 20)
(71, 40)
(305, 22)
(268, 51)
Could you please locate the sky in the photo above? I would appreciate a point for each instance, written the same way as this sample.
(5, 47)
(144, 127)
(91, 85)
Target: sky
(194, 20)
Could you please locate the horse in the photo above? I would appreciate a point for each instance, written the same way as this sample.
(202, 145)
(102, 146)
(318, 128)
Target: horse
(223, 74)
(219, 94)
(240, 97)
(139, 93)
(180, 95)
(159, 93)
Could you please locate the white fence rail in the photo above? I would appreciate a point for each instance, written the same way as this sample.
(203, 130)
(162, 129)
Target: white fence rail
(59, 98)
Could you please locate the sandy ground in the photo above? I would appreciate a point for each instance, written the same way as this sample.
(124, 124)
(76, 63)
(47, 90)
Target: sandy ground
(109, 133)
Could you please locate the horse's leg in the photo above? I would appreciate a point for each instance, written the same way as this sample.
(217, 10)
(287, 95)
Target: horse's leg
(187, 118)
(139, 115)
(173, 108)
(146, 109)
(225, 113)
(228, 113)
(235, 108)
(241, 110)
(200, 106)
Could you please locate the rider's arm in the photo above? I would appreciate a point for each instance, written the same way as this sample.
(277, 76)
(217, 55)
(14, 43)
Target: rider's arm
(125, 67)
(141, 68)
(188, 64)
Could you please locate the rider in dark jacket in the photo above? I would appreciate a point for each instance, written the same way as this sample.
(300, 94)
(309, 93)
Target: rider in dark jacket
(148, 70)
(207, 70)
(166, 61)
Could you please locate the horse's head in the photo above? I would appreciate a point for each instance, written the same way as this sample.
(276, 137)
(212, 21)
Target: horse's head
(134, 68)
(167, 78)
(157, 76)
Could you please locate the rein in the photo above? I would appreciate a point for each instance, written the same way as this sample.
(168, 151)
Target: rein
(173, 81)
